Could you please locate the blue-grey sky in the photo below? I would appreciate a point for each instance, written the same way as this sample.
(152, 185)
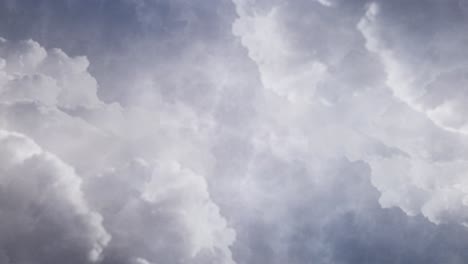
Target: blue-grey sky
(233, 131)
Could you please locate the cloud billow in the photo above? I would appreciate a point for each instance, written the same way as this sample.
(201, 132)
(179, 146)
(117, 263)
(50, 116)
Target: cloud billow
(144, 132)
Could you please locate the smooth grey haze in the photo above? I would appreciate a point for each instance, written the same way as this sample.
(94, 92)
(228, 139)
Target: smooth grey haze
(234, 131)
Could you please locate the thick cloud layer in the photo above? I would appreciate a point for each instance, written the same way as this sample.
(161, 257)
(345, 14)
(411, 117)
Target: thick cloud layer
(327, 131)
(132, 195)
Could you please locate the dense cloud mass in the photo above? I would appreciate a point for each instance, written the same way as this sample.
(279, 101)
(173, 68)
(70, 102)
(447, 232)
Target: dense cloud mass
(243, 131)
(120, 191)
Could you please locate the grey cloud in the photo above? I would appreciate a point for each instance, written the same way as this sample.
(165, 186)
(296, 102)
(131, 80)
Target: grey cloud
(43, 208)
(122, 37)
(332, 216)
(341, 114)
(426, 74)
(247, 131)
(425, 61)
(153, 197)
(167, 203)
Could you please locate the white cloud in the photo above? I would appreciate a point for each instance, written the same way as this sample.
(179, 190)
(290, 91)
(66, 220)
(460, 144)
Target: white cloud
(429, 179)
(416, 159)
(270, 141)
(29, 72)
(262, 35)
(43, 207)
(325, 2)
(429, 77)
(52, 98)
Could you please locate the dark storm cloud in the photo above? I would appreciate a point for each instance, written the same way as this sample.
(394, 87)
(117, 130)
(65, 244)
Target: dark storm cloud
(242, 132)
